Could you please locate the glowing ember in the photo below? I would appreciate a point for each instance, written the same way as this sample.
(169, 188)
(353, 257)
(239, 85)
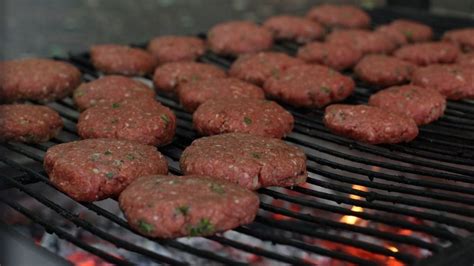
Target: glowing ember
(81, 258)
(349, 219)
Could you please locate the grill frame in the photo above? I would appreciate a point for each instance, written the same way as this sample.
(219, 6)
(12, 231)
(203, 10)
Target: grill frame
(306, 128)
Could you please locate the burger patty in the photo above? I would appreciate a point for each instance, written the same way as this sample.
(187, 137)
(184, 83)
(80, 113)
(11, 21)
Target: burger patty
(428, 53)
(466, 60)
(248, 160)
(339, 57)
(176, 206)
(122, 59)
(193, 94)
(28, 123)
(258, 67)
(109, 90)
(369, 124)
(367, 42)
(167, 49)
(37, 79)
(412, 30)
(424, 105)
(238, 37)
(382, 70)
(253, 116)
(394, 34)
(455, 82)
(142, 120)
(339, 16)
(96, 169)
(168, 76)
(301, 30)
(309, 86)
(462, 37)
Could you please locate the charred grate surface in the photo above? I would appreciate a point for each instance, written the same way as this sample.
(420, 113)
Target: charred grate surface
(425, 187)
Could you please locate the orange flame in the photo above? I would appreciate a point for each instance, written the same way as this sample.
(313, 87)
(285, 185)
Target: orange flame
(349, 219)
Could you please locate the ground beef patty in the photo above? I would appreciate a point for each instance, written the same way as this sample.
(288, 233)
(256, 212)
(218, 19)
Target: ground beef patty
(455, 82)
(254, 116)
(424, 105)
(369, 124)
(248, 160)
(122, 59)
(466, 60)
(142, 120)
(462, 37)
(394, 34)
(176, 206)
(309, 86)
(343, 16)
(37, 79)
(299, 29)
(193, 94)
(412, 30)
(258, 67)
(367, 42)
(95, 169)
(238, 37)
(428, 53)
(28, 123)
(168, 76)
(339, 57)
(167, 49)
(382, 70)
(109, 90)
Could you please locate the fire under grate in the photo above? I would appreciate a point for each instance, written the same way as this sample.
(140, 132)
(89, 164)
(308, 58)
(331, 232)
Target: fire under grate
(363, 204)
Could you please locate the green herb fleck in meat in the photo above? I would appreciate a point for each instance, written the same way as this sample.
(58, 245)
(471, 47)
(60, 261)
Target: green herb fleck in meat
(114, 120)
(107, 152)
(95, 157)
(247, 120)
(130, 157)
(145, 227)
(204, 227)
(217, 188)
(184, 210)
(256, 155)
(408, 34)
(165, 119)
(115, 105)
(79, 93)
(325, 89)
(117, 163)
(275, 73)
(109, 175)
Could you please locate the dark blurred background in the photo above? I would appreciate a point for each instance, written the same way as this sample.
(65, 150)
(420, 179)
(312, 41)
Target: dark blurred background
(53, 27)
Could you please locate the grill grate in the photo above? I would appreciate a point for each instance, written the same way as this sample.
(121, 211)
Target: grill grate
(424, 186)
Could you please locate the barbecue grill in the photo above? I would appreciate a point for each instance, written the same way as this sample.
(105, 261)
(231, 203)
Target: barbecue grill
(410, 203)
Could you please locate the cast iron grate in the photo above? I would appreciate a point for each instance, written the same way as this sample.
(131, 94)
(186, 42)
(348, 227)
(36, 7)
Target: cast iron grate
(425, 186)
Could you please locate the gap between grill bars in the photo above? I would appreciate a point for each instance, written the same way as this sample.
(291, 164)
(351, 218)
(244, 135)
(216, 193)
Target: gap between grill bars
(443, 199)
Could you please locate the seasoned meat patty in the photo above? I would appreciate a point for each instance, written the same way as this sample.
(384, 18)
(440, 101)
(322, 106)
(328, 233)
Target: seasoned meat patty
(382, 70)
(369, 124)
(122, 59)
(37, 79)
(28, 123)
(167, 49)
(394, 34)
(193, 94)
(455, 82)
(258, 67)
(238, 37)
(109, 90)
(309, 86)
(142, 120)
(367, 42)
(339, 16)
(412, 30)
(176, 206)
(428, 53)
(339, 56)
(466, 59)
(96, 169)
(462, 37)
(248, 160)
(301, 30)
(168, 76)
(254, 116)
(424, 105)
